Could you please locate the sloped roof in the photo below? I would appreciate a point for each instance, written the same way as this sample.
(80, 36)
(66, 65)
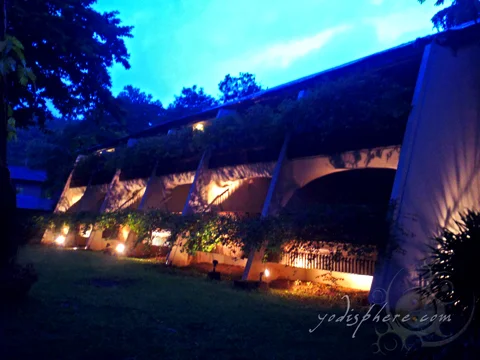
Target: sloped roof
(34, 203)
(26, 174)
(386, 59)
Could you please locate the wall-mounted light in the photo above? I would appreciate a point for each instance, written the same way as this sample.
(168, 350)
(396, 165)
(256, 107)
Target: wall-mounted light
(199, 127)
(267, 273)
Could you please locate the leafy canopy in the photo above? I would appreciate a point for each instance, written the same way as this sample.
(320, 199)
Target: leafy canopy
(234, 88)
(190, 101)
(70, 47)
(459, 12)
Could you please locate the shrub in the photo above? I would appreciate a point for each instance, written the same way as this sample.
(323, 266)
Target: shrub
(15, 282)
(450, 273)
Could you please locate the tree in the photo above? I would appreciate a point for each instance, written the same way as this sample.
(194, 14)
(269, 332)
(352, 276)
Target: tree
(459, 12)
(141, 111)
(191, 100)
(234, 88)
(70, 47)
(70, 57)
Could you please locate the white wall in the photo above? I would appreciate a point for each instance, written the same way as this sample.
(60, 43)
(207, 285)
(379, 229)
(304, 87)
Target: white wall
(438, 173)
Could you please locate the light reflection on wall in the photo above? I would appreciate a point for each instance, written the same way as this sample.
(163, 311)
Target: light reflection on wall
(125, 232)
(359, 282)
(218, 188)
(160, 237)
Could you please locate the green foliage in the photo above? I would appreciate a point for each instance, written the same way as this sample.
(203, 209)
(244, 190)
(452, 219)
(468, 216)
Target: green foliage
(453, 262)
(458, 13)
(12, 60)
(348, 107)
(140, 159)
(363, 102)
(191, 100)
(15, 283)
(70, 57)
(204, 231)
(234, 88)
(95, 169)
(141, 111)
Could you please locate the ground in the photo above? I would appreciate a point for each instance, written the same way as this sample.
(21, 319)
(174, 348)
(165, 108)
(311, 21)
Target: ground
(91, 306)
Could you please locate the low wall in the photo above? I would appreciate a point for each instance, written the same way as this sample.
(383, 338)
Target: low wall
(280, 271)
(204, 257)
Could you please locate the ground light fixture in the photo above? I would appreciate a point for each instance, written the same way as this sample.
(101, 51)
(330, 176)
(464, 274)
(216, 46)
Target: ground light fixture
(265, 273)
(60, 240)
(120, 248)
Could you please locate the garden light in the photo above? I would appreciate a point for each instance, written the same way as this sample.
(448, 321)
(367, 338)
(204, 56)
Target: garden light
(120, 248)
(60, 240)
(267, 273)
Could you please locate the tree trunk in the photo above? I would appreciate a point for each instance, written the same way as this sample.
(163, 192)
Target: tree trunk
(8, 202)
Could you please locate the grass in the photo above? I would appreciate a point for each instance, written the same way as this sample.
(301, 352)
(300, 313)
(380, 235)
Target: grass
(90, 306)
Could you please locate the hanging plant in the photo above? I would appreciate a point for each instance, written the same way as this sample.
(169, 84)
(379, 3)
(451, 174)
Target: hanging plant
(95, 169)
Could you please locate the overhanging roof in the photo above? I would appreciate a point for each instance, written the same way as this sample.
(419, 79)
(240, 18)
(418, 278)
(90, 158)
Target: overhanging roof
(26, 174)
(382, 60)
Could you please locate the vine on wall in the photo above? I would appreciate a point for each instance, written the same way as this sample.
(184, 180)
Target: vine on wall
(333, 113)
(359, 232)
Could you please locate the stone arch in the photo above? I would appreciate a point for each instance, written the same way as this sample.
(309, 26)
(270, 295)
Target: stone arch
(248, 196)
(366, 186)
(299, 172)
(177, 198)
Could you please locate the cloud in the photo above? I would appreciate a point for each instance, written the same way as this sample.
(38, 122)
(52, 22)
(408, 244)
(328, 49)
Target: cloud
(282, 55)
(390, 28)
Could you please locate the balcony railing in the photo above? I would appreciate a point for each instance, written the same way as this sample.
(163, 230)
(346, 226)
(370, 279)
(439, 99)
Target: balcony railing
(350, 265)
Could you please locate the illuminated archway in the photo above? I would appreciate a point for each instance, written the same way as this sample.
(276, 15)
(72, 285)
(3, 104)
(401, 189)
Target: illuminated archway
(370, 187)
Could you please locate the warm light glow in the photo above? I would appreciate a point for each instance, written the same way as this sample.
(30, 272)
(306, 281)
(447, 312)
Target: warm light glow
(199, 127)
(85, 232)
(267, 273)
(75, 199)
(120, 248)
(160, 237)
(60, 240)
(75, 248)
(103, 151)
(65, 230)
(359, 282)
(125, 232)
(216, 189)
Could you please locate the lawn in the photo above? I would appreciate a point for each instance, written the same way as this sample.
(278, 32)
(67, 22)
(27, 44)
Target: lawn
(91, 306)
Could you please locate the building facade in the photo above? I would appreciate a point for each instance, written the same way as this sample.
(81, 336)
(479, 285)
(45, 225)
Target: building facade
(427, 169)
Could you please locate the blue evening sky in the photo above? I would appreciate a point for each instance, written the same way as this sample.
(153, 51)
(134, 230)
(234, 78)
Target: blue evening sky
(186, 42)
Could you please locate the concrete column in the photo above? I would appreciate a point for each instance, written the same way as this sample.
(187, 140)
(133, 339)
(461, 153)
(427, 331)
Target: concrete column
(61, 206)
(95, 238)
(148, 188)
(439, 169)
(255, 258)
(271, 206)
(196, 202)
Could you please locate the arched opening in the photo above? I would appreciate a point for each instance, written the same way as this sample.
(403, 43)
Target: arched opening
(177, 198)
(348, 207)
(248, 197)
(369, 187)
